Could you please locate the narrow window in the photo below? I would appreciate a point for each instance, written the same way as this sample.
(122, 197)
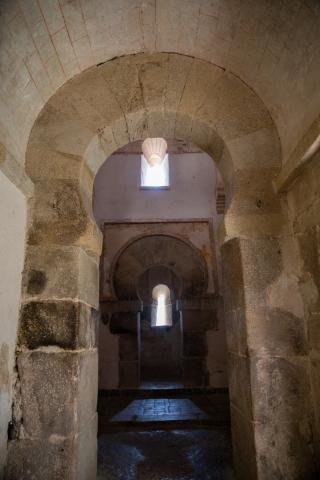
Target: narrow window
(161, 312)
(156, 175)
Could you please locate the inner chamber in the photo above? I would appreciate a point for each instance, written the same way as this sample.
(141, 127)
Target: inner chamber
(162, 348)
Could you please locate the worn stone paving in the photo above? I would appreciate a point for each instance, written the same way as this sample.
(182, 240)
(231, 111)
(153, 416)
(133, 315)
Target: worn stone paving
(166, 455)
(176, 411)
(160, 409)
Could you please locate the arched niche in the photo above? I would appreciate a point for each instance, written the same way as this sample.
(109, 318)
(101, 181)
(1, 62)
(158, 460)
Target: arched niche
(152, 251)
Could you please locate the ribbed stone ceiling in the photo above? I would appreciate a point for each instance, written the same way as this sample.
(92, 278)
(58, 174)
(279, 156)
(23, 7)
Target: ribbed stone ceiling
(272, 46)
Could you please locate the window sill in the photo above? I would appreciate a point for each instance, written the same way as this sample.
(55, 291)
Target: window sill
(154, 188)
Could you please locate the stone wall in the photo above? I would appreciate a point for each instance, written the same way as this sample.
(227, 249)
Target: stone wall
(12, 238)
(303, 199)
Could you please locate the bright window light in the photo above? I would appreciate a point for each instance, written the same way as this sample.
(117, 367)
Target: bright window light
(156, 176)
(161, 310)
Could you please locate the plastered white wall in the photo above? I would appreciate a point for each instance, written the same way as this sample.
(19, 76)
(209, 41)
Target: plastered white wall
(117, 193)
(12, 240)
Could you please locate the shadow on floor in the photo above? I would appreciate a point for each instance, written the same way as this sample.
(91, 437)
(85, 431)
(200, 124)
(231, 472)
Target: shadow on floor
(165, 455)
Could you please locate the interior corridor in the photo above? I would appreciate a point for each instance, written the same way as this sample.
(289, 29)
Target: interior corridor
(159, 239)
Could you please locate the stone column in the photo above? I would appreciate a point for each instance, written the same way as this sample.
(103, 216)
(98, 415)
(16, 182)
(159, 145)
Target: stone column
(54, 429)
(269, 378)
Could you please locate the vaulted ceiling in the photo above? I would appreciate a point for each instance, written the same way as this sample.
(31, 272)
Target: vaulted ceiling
(272, 46)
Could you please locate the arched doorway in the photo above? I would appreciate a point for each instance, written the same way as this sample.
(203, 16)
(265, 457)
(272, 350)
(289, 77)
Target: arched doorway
(57, 362)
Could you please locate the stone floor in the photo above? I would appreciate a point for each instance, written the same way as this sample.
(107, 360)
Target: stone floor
(165, 455)
(160, 409)
(176, 437)
(160, 385)
(171, 411)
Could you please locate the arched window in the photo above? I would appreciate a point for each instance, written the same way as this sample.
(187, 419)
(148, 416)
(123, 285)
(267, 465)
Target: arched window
(161, 311)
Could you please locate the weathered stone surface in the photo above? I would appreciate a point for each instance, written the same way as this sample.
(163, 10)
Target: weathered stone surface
(86, 452)
(303, 201)
(315, 382)
(276, 441)
(240, 385)
(12, 239)
(236, 331)
(243, 445)
(233, 275)
(276, 332)
(280, 389)
(63, 324)
(53, 272)
(72, 457)
(62, 216)
(58, 391)
(53, 461)
(261, 260)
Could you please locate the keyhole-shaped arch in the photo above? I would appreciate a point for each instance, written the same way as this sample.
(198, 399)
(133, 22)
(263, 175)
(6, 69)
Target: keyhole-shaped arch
(161, 313)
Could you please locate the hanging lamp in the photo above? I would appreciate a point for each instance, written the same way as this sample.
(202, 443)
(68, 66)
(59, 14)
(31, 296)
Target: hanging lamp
(154, 150)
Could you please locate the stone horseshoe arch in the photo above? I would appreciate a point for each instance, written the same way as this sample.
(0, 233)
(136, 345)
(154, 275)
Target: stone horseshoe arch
(193, 273)
(92, 115)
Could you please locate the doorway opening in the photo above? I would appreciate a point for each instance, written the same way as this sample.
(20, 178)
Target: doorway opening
(162, 351)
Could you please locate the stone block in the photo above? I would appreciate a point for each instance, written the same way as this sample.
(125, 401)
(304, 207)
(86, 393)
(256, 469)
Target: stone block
(56, 457)
(64, 324)
(273, 331)
(315, 385)
(261, 260)
(36, 459)
(280, 389)
(43, 163)
(309, 250)
(314, 329)
(260, 147)
(58, 391)
(253, 193)
(86, 451)
(243, 443)
(60, 273)
(233, 275)
(62, 215)
(292, 441)
(236, 331)
(240, 384)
